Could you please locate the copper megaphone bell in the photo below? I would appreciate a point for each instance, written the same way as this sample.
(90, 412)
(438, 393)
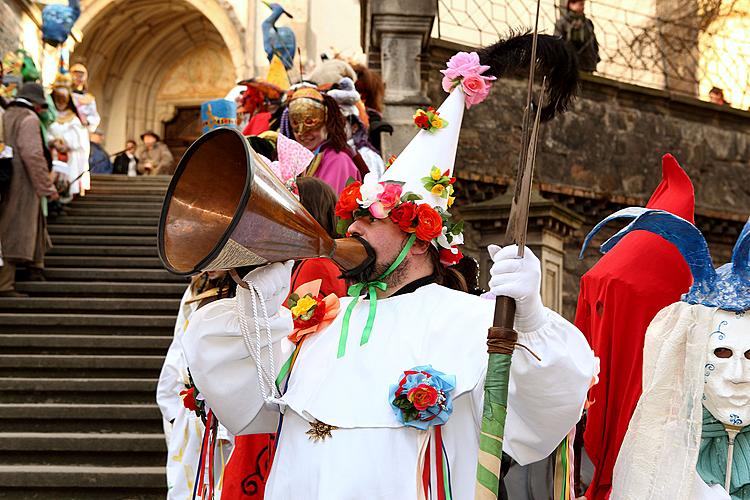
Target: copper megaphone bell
(225, 209)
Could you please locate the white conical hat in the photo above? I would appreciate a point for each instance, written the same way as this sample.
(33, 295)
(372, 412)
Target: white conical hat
(428, 149)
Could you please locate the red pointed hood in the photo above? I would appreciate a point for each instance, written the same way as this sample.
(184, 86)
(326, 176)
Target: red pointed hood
(619, 297)
(674, 193)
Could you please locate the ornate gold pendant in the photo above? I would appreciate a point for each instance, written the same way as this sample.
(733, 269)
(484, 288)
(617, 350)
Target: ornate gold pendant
(320, 431)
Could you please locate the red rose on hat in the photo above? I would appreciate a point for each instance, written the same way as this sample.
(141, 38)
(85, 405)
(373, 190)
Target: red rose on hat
(429, 223)
(348, 200)
(403, 215)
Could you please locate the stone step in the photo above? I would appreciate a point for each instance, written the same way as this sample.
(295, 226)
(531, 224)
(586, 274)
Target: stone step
(84, 448)
(56, 228)
(103, 274)
(134, 192)
(88, 304)
(77, 417)
(82, 365)
(101, 250)
(87, 324)
(69, 441)
(108, 210)
(85, 203)
(101, 289)
(103, 321)
(106, 220)
(147, 198)
(32, 482)
(99, 344)
(76, 390)
(112, 262)
(88, 240)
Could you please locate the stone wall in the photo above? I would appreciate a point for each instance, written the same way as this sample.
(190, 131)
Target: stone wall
(605, 153)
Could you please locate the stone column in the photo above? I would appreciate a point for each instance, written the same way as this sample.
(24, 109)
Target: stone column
(399, 32)
(549, 225)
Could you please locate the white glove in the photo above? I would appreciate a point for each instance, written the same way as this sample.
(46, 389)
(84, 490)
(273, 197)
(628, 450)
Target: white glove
(519, 279)
(273, 281)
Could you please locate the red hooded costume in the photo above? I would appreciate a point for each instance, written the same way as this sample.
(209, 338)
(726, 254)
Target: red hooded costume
(619, 297)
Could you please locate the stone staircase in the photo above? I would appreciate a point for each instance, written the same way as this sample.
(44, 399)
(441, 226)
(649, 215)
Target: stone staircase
(79, 358)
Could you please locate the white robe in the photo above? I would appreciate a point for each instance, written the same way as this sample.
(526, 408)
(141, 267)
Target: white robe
(183, 429)
(76, 137)
(372, 455)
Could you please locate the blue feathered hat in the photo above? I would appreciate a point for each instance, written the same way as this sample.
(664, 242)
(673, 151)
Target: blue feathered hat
(727, 287)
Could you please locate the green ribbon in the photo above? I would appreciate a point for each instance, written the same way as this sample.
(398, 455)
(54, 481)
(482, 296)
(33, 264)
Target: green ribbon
(372, 288)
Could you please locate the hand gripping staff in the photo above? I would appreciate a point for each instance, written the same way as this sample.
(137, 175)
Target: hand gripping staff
(558, 67)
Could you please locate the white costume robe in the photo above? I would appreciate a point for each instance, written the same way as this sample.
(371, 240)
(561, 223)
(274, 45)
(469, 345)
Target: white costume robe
(185, 432)
(86, 104)
(76, 137)
(371, 454)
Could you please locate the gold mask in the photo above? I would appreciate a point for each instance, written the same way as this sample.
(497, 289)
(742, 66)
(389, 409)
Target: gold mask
(306, 111)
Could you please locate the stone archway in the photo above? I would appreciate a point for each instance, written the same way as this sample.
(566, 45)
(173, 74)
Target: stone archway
(130, 46)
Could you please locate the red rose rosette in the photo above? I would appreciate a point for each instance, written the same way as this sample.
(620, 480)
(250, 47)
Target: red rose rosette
(347, 203)
(429, 223)
(404, 215)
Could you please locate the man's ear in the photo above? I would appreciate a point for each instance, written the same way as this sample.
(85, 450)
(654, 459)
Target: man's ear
(420, 247)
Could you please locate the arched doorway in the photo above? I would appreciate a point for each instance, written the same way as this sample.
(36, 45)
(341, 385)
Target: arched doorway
(147, 59)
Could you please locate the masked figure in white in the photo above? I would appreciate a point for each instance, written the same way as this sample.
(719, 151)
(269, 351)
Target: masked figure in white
(689, 436)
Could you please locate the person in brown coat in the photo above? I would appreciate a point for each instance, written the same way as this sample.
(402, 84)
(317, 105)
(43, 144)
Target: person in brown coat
(23, 229)
(153, 156)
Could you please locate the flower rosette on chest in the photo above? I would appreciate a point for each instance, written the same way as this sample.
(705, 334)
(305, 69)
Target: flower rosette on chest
(422, 397)
(311, 312)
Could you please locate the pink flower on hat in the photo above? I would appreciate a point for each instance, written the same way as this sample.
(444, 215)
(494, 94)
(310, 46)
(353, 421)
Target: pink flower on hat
(465, 69)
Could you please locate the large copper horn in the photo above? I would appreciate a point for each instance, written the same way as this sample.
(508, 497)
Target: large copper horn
(224, 209)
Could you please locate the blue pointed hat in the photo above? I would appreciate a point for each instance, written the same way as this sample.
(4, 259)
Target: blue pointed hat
(727, 287)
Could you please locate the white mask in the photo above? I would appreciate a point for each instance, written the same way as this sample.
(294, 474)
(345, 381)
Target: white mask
(726, 393)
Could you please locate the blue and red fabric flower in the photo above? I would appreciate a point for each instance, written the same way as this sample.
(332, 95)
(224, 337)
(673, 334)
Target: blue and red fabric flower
(422, 398)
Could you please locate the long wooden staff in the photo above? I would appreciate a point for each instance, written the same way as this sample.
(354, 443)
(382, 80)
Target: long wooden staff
(501, 338)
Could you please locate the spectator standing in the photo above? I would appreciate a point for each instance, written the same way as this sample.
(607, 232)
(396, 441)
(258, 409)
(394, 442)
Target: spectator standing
(125, 162)
(23, 229)
(99, 162)
(578, 31)
(154, 157)
(716, 96)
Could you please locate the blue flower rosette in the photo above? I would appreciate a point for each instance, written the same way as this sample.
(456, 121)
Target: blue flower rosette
(422, 397)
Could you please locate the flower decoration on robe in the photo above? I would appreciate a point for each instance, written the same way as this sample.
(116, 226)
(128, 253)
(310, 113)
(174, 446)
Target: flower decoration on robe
(422, 397)
(381, 200)
(192, 399)
(429, 119)
(311, 312)
(464, 69)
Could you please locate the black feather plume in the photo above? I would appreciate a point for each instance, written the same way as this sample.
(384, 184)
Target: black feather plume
(555, 60)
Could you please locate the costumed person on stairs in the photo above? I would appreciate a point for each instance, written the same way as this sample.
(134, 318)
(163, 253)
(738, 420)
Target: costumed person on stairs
(385, 400)
(315, 121)
(248, 468)
(619, 296)
(68, 127)
(688, 438)
(84, 100)
(183, 428)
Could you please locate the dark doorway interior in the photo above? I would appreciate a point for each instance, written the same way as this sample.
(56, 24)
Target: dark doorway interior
(182, 130)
